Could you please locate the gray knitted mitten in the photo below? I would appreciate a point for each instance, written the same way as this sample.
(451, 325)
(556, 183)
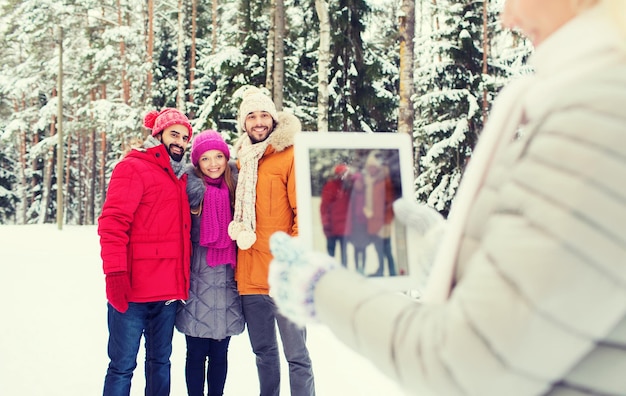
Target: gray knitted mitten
(293, 275)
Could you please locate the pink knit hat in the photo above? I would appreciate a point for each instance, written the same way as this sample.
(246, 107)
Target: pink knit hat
(205, 141)
(160, 120)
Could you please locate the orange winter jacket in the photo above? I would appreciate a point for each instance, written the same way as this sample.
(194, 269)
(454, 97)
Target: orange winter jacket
(275, 205)
(382, 205)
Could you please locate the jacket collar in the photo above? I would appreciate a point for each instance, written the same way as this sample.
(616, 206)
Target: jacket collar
(159, 156)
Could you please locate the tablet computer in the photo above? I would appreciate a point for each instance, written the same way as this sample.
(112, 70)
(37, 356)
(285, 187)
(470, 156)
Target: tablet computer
(346, 184)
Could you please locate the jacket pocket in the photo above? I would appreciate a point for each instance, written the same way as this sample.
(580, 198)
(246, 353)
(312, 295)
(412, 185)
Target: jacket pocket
(152, 250)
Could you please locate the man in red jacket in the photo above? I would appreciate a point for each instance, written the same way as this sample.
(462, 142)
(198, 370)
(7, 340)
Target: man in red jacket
(334, 209)
(145, 247)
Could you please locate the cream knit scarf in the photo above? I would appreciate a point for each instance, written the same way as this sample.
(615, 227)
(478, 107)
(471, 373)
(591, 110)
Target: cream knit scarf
(370, 180)
(242, 228)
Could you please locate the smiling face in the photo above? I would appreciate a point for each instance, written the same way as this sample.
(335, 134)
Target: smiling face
(259, 125)
(175, 139)
(538, 19)
(212, 163)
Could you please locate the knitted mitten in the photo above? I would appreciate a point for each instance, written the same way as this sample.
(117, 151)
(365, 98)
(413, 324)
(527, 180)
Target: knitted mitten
(421, 218)
(429, 226)
(293, 276)
(118, 289)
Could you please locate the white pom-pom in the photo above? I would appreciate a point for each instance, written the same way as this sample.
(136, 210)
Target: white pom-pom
(234, 228)
(245, 239)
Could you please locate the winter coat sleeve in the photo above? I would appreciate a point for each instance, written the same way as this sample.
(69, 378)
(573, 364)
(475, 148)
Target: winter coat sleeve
(123, 197)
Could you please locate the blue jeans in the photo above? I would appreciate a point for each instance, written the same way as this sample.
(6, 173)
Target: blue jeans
(155, 321)
(261, 320)
(198, 349)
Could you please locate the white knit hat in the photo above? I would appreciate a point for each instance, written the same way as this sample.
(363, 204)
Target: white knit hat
(255, 100)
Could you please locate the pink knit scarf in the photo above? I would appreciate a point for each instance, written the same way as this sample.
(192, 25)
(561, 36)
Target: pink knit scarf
(216, 215)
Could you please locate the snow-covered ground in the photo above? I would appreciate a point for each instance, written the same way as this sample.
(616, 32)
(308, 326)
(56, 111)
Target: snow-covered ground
(53, 335)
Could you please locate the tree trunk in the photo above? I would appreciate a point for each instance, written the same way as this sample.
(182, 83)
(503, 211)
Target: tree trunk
(407, 35)
(214, 23)
(435, 22)
(82, 169)
(46, 184)
(71, 187)
(485, 108)
(323, 65)
(150, 47)
(33, 165)
(60, 140)
(92, 179)
(271, 48)
(279, 54)
(192, 52)
(180, 59)
(424, 21)
(103, 157)
(125, 82)
(21, 209)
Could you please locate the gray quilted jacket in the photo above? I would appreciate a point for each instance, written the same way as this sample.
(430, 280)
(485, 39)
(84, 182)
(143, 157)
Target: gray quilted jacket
(213, 309)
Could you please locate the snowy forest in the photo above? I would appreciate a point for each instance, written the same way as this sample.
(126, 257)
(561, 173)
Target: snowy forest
(77, 77)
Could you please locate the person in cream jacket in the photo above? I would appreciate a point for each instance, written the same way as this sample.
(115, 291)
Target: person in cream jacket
(527, 292)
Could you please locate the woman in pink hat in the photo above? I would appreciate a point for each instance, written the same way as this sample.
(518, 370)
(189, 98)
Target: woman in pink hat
(212, 314)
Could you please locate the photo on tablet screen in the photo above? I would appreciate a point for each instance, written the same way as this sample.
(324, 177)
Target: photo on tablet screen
(346, 185)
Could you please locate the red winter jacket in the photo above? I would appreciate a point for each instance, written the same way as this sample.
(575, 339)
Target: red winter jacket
(334, 208)
(145, 226)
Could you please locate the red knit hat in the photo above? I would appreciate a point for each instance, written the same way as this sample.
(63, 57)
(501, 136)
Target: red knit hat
(205, 141)
(341, 169)
(160, 120)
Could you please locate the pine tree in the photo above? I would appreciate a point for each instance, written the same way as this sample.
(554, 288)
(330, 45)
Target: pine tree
(449, 101)
(356, 104)
(238, 61)
(116, 69)
(381, 73)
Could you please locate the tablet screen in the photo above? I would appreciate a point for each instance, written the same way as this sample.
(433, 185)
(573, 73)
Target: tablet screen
(346, 185)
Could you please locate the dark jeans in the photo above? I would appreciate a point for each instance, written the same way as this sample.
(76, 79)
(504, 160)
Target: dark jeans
(155, 321)
(261, 319)
(198, 350)
(383, 248)
(360, 259)
(331, 245)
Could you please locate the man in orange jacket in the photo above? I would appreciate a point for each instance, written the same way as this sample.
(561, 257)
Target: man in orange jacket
(265, 203)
